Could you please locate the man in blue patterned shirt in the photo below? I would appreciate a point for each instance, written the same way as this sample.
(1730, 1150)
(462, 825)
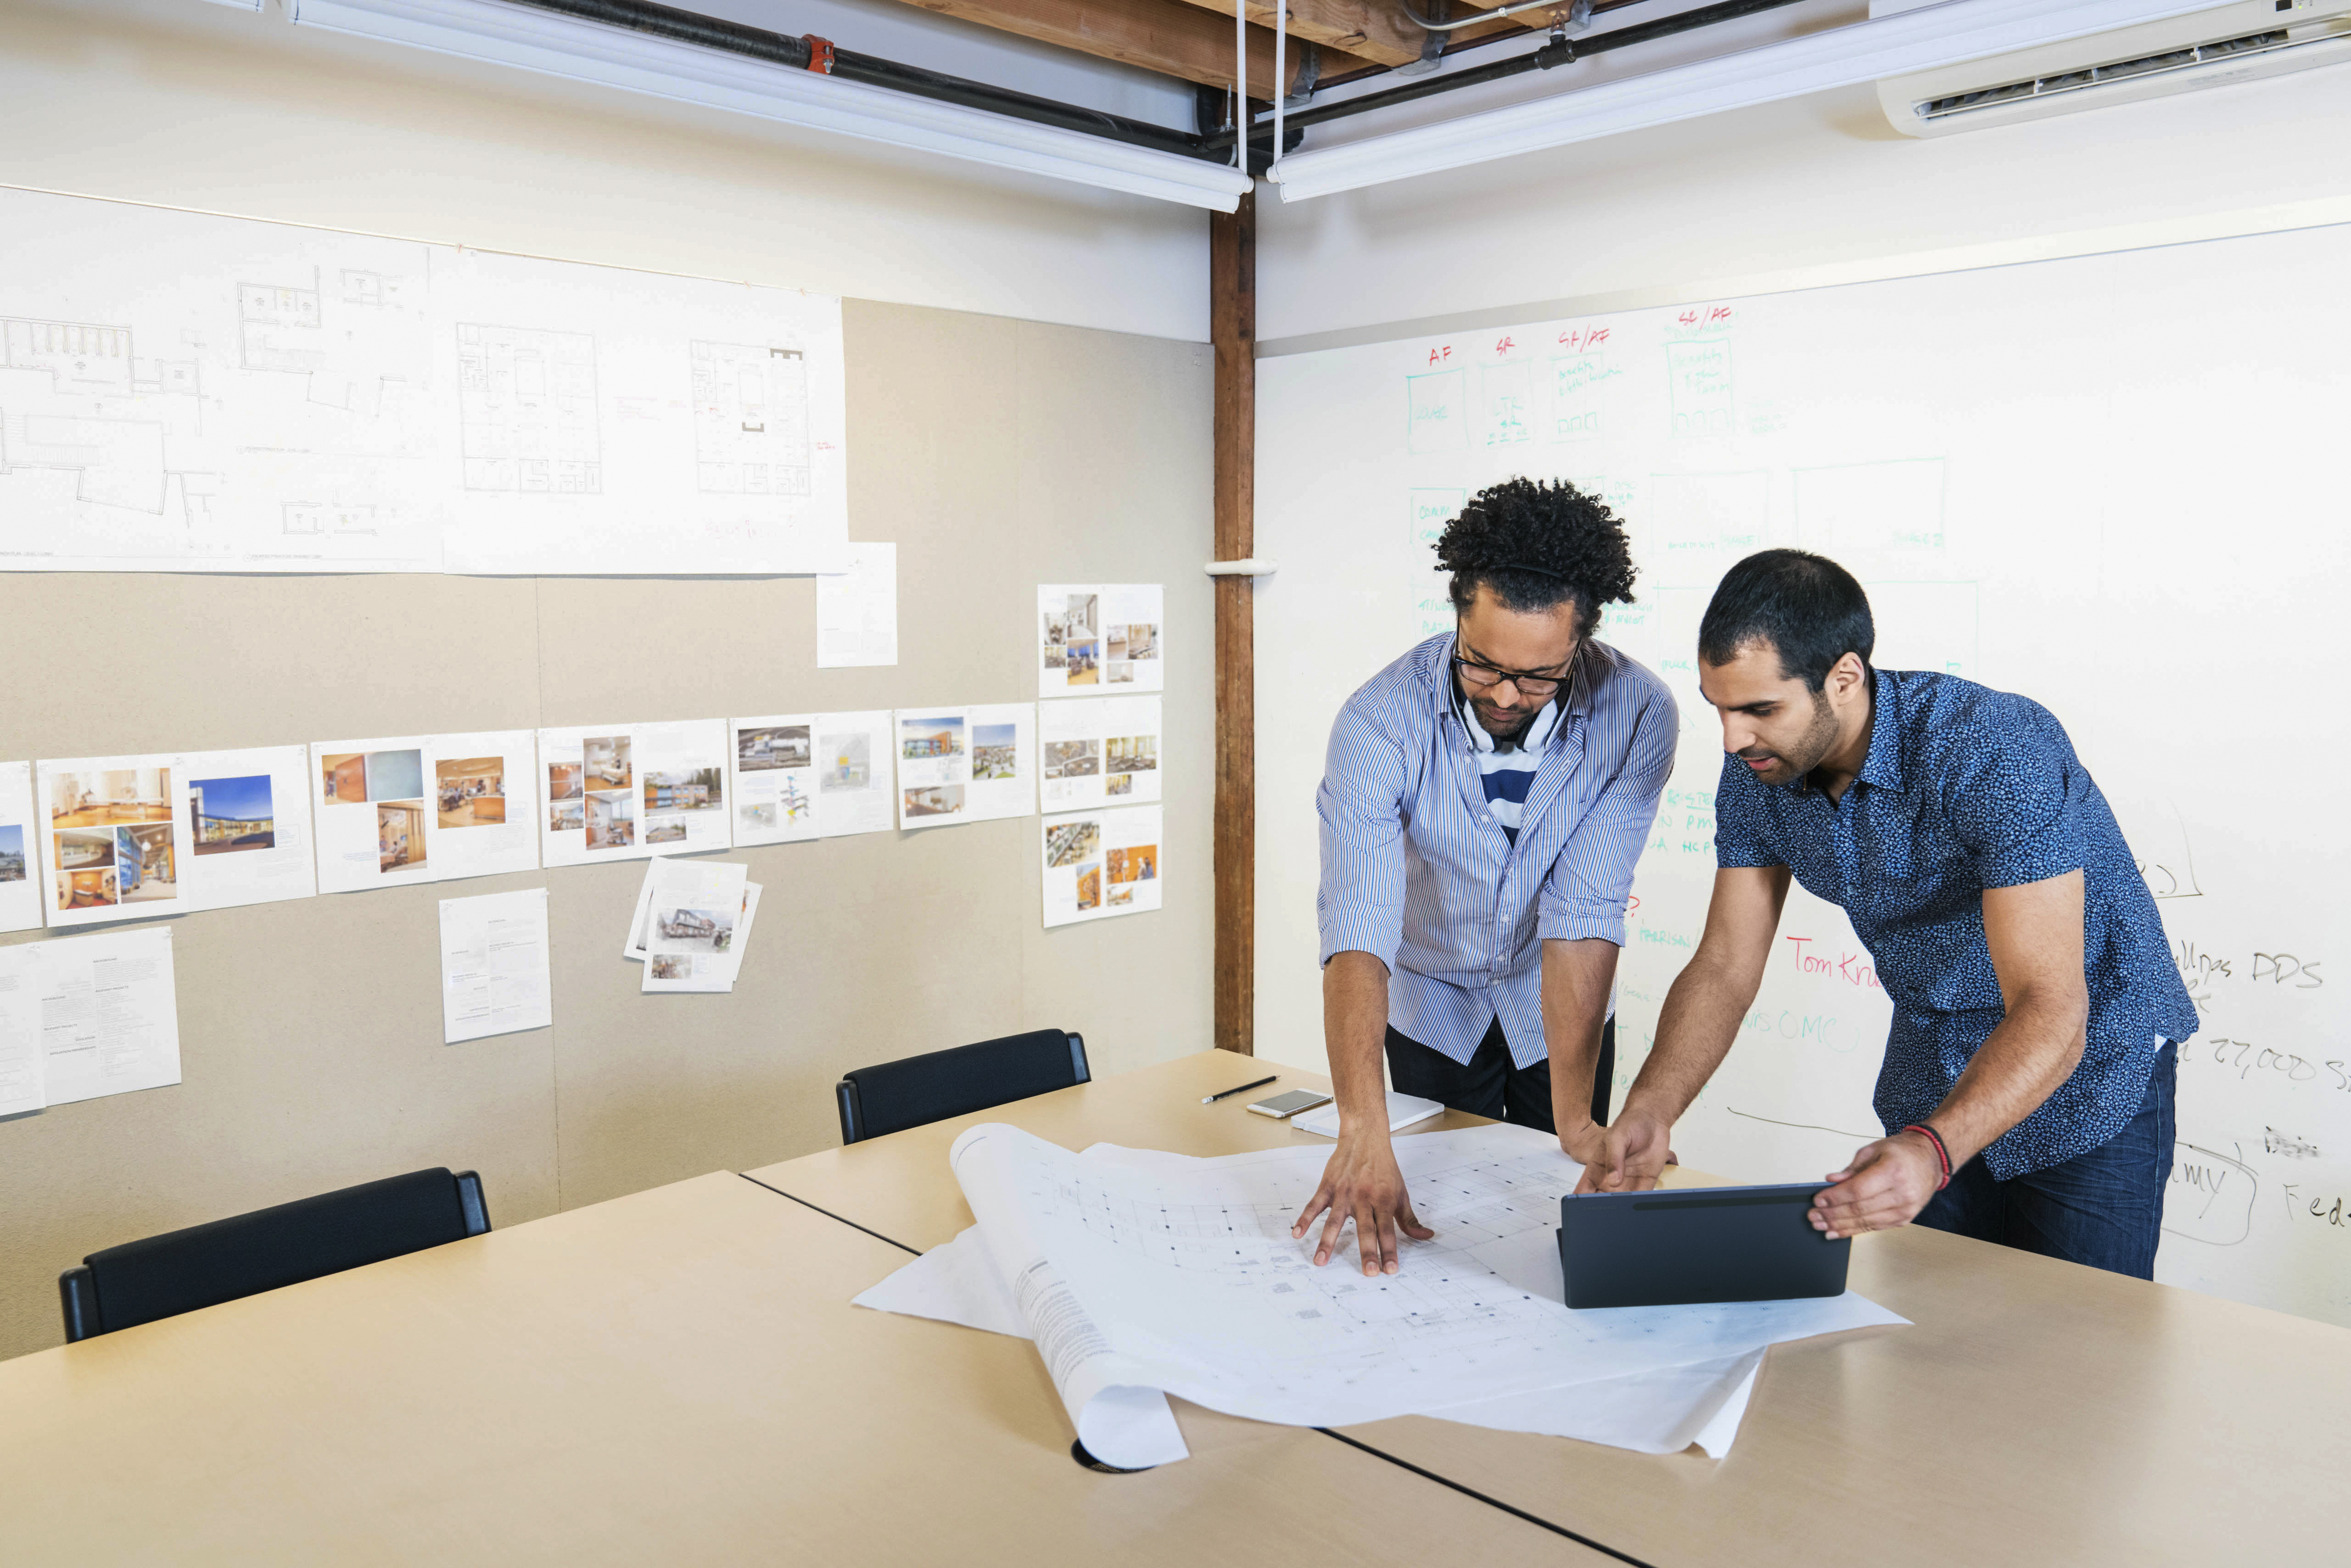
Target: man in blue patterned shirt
(1485, 799)
(2027, 1087)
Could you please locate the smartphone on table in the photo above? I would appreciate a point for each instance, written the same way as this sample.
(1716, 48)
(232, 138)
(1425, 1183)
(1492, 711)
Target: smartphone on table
(1281, 1106)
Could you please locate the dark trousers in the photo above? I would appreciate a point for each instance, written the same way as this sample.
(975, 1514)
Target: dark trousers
(2102, 1209)
(1489, 1083)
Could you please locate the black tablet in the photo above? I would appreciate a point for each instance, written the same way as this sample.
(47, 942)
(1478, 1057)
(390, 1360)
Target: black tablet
(1696, 1244)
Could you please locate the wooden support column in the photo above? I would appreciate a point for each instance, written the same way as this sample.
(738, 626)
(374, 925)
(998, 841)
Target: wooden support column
(1232, 329)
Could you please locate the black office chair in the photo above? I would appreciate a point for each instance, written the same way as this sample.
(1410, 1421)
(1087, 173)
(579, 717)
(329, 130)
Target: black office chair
(943, 1083)
(204, 1265)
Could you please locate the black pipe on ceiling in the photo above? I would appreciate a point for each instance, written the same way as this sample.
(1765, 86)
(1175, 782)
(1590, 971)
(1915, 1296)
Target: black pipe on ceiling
(807, 53)
(798, 53)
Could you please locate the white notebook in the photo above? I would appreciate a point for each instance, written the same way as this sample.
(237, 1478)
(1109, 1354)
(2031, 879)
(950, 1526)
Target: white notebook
(1403, 1110)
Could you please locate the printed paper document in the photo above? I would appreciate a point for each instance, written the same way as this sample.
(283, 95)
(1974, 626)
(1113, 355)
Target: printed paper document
(857, 610)
(493, 971)
(86, 1016)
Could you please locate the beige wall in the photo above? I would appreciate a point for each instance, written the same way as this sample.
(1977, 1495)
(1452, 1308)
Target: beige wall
(997, 455)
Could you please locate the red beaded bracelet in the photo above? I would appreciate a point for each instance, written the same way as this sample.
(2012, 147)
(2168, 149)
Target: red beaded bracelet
(1942, 1155)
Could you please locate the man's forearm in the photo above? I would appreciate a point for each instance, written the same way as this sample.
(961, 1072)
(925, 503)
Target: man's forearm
(1354, 1033)
(2033, 1053)
(1695, 1031)
(1576, 977)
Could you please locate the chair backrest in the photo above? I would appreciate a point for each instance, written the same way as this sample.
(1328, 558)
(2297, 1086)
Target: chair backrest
(943, 1083)
(204, 1265)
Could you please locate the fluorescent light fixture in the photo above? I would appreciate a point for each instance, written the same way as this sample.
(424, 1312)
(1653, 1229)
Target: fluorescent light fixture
(1924, 39)
(561, 46)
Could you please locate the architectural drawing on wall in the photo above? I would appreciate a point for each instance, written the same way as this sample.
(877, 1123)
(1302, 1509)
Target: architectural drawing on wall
(279, 328)
(750, 419)
(114, 462)
(527, 401)
(79, 356)
(185, 393)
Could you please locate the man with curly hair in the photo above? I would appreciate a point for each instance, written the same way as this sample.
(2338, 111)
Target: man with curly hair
(1483, 803)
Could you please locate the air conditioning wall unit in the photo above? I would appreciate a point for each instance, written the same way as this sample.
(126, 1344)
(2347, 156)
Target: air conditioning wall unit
(2228, 44)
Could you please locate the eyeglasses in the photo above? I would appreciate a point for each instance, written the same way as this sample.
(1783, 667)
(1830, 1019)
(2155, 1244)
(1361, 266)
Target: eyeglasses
(1481, 676)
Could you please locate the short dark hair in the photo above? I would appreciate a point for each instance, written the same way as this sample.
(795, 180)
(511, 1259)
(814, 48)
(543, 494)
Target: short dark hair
(1806, 606)
(1539, 545)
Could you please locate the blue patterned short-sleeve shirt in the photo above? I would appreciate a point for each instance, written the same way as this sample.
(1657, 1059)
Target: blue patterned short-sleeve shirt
(1966, 788)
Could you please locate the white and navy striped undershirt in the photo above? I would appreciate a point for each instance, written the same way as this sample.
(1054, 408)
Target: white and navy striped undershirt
(1507, 768)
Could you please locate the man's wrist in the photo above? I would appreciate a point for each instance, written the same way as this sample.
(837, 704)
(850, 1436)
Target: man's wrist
(1926, 1136)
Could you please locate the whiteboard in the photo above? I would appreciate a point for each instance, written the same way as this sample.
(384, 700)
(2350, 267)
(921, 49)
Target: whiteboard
(184, 393)
(2111, 483)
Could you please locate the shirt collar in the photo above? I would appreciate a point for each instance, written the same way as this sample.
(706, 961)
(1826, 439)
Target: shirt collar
(1575, 697)
(1883, 767)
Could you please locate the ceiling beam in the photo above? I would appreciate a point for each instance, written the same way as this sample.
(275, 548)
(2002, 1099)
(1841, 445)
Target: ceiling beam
(1165, 36)
(1374, 30)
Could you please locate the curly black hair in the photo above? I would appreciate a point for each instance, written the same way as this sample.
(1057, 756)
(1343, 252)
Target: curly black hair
(1538, 544)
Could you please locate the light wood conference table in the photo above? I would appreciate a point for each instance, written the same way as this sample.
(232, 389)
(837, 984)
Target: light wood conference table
(675, 1377)
(2033, 1412)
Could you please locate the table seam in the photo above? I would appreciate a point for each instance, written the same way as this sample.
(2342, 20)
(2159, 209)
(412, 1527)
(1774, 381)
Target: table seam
(829, 1214)
(1534, 1519)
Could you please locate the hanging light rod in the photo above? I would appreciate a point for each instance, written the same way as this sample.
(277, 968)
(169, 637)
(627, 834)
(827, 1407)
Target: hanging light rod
(689, 58)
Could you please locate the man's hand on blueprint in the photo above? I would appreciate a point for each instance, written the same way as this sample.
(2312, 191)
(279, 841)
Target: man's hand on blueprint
(1362, 1183)
(1631, 1155)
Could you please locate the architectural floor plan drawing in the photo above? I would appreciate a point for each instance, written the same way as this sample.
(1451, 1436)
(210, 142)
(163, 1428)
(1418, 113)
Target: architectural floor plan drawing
(750, 419)
(183, 393)
(528, 401)
(1141, 1271)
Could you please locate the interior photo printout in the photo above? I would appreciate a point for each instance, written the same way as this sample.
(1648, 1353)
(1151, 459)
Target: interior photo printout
(1141, 1274)
(423, 807)
(695, 924)
(965, 764)
(771, 765)
(173, 833)
(1099, 751)
(624, 791)
(82, 1017)
(1101, 863)
(20, 833)
(1098, 637)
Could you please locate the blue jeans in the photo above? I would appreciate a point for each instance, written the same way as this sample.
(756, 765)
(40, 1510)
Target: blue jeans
(2102, 1209)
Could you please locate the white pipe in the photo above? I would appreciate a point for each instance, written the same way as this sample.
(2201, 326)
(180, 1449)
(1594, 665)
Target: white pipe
(1281, 82)
(1240, 86)
(1247, 567)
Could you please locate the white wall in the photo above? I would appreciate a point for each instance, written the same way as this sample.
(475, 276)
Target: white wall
(1815, 190)
(209, 107)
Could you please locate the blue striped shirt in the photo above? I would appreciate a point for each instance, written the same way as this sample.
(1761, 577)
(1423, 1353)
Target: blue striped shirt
(1506, 768)
(1418, 871)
